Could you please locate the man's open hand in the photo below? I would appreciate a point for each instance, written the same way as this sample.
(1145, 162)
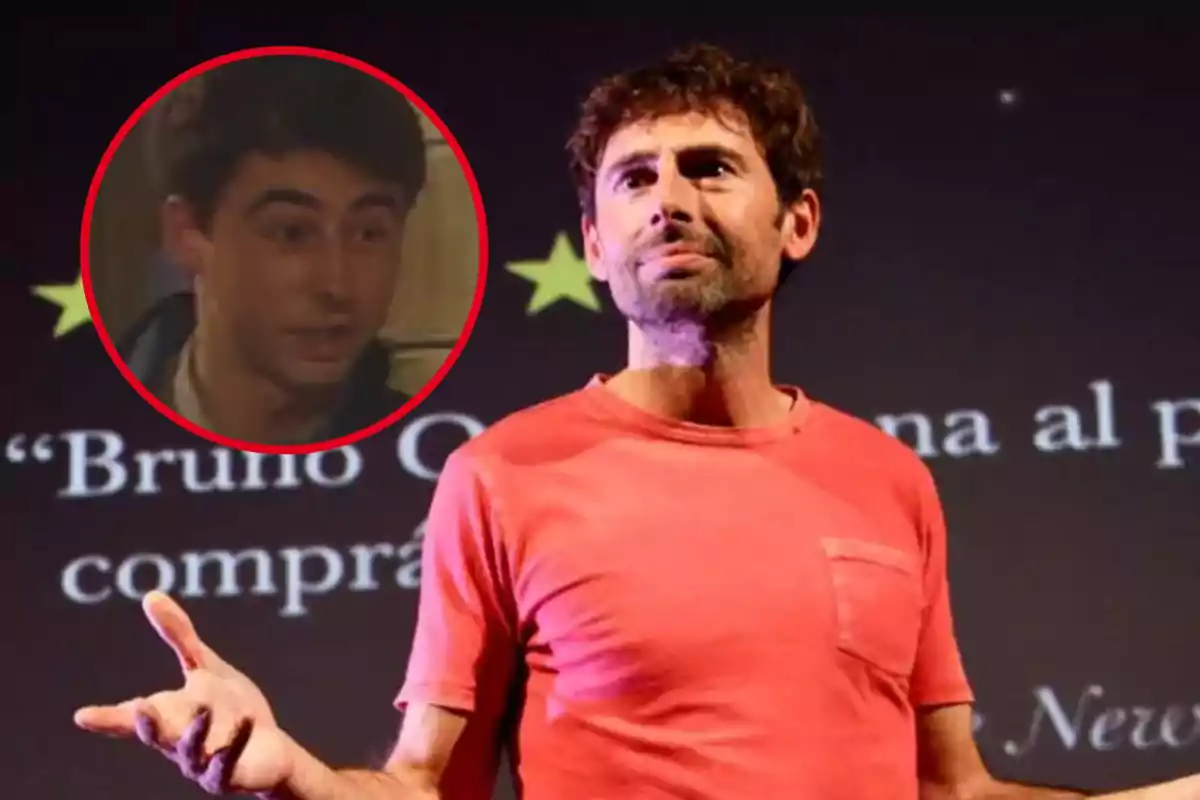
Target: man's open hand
(218, 727)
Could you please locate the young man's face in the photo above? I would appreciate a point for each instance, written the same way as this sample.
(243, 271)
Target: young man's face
(688, 222)
(297, 272)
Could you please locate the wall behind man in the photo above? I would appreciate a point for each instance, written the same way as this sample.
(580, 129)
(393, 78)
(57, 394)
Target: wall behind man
(440, 269)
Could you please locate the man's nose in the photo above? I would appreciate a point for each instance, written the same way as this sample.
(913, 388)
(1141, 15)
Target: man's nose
(675, 199)
(333, 273)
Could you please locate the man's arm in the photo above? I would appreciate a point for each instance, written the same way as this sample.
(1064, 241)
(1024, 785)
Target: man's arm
(1182, 789)
(413, 771)
(951, 767)
(460, 665)
(461, 662)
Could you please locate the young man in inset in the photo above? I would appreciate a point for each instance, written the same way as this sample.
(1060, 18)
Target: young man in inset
(682, 580)
(287, 183)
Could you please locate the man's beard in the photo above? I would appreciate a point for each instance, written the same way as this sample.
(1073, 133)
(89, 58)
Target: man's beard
(714, 294)
(664, 302)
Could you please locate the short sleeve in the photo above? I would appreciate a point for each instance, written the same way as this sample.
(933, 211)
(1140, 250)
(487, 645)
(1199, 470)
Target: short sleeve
(938, 676)
(463, 653)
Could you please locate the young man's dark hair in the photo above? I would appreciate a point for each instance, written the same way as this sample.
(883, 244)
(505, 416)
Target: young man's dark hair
(274, 105)
(286, 183)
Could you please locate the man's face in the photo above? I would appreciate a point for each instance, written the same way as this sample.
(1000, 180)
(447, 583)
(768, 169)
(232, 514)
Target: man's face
(688, 223)
(298, 270)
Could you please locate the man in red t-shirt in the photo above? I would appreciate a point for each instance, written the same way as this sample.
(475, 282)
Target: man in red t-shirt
(676, 609)
(679, 581)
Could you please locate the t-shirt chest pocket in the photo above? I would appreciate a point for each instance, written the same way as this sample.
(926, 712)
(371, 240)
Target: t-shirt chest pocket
(878, 602)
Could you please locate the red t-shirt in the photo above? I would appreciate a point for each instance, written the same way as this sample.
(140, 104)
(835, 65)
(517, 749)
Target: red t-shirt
(641, 608)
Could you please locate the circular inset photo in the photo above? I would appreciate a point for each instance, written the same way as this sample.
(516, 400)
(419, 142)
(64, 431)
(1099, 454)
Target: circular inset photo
(284, 250)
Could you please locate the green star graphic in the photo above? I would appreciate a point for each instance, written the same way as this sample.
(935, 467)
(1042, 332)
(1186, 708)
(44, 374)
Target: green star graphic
(72, 302)
(562, 276)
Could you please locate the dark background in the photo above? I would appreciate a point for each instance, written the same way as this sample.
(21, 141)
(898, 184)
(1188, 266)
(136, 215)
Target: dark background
(976, 255)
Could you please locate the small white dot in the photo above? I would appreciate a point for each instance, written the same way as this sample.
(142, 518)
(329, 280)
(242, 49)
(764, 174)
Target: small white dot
(1008, 97)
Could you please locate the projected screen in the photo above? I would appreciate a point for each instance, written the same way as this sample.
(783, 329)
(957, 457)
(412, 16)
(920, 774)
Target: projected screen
(1005, 281)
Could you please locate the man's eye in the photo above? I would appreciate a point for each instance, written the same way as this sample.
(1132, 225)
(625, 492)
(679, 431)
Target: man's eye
(290, 233)
(374, 234)
(711, 169)
(636, 179)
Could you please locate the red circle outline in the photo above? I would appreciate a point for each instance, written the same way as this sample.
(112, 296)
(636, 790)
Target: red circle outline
(430, 385)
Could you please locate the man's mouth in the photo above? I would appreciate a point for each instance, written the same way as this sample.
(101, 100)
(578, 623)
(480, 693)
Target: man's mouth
(324, 343)
(673, 249)
(674, 263)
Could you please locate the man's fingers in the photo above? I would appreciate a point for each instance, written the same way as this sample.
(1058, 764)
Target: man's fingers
(118, 720)
(175, 628)
(146, 724)
(219, 774)
(190, 748)
(221, 734)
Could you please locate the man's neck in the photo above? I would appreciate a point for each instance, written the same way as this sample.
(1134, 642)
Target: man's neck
(233, 402)
(687, 373)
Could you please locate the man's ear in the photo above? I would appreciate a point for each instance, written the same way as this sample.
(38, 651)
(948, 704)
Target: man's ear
(184, 237)
(801, 224)
(593, 253)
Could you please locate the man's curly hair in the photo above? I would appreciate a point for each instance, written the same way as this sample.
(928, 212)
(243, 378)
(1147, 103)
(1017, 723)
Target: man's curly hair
(707, 79)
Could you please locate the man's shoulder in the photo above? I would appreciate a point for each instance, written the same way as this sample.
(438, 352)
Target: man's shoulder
(859, 439)
(865, 455)
(150, 347)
